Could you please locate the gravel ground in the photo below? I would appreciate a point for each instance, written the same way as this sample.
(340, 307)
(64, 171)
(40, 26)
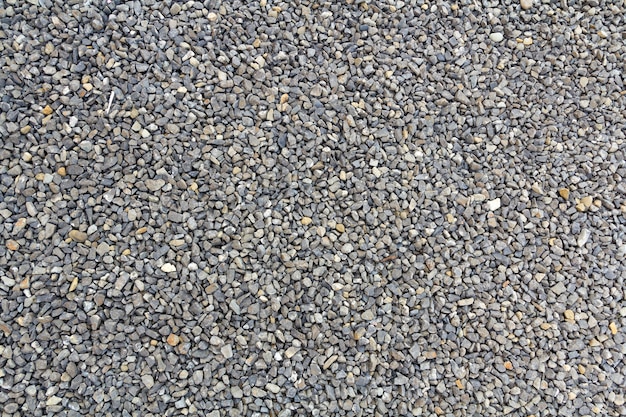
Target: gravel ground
(345, 208)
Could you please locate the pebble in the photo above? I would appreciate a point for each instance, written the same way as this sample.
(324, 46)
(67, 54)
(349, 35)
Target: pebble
(526, 4)
(494, 204)
(78, 236)
(148, 381)
(583, 237)
(168, 267)
(155, 185)
(173, 340)
(496, 37)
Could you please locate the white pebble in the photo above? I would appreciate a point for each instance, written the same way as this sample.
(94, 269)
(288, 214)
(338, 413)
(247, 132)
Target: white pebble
(494, 204)
(496, 37)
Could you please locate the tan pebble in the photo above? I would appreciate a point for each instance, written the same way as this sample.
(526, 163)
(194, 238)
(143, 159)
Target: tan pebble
(613, 328)
(358, 333)
(569, 314)
(459, 384)
(126, 252)
(580, 207)
(431, 354)
(24, 130)
(49, 48)
(61, 171)
(142, 230)
(256, 43)
(173, 340)
(508, 365)
(587, 201)
(212, 17)
(78, 236)
(537, 188)
(439, 411)
(5, 328)
(211, 288)
(340, 228)
(306, 221)
(594, 343)
(564, 192)
(74, 284)
(47, 110)
(40, 176)
(12, 245)
(284, 98)
(545, 326)
(25, 283)
(154, 342)
(581, 369)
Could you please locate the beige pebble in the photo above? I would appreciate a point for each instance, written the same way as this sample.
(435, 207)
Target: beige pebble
(78, 236)
(173, 340)
(306, 221)
(526, 4)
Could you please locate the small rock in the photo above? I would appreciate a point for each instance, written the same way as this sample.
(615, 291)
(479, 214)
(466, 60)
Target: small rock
(564, 192)
(227, 351)
(236, 392)
(78, 236)
(559, 288)
(155, 185)
(367, 315)
(54, 400)
(526, 4)
(431, 354)
(330, 361)
(306, 221)
(148, 381)
(583, 237)
(175, 9)
(47, 110)
(12, 245)
(466, 302)
(340, 228)
(613, 328)
(493, 204)
(168, 267)
(102, 249)
(569, 315)
(273, 388)
(173, 340)
(586, 201)
(291, 351)
(496, 37)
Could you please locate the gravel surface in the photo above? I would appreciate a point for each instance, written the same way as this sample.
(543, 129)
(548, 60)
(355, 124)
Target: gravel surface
(343, 208)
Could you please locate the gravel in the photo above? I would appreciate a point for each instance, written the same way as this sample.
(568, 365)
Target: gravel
(279, 209)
